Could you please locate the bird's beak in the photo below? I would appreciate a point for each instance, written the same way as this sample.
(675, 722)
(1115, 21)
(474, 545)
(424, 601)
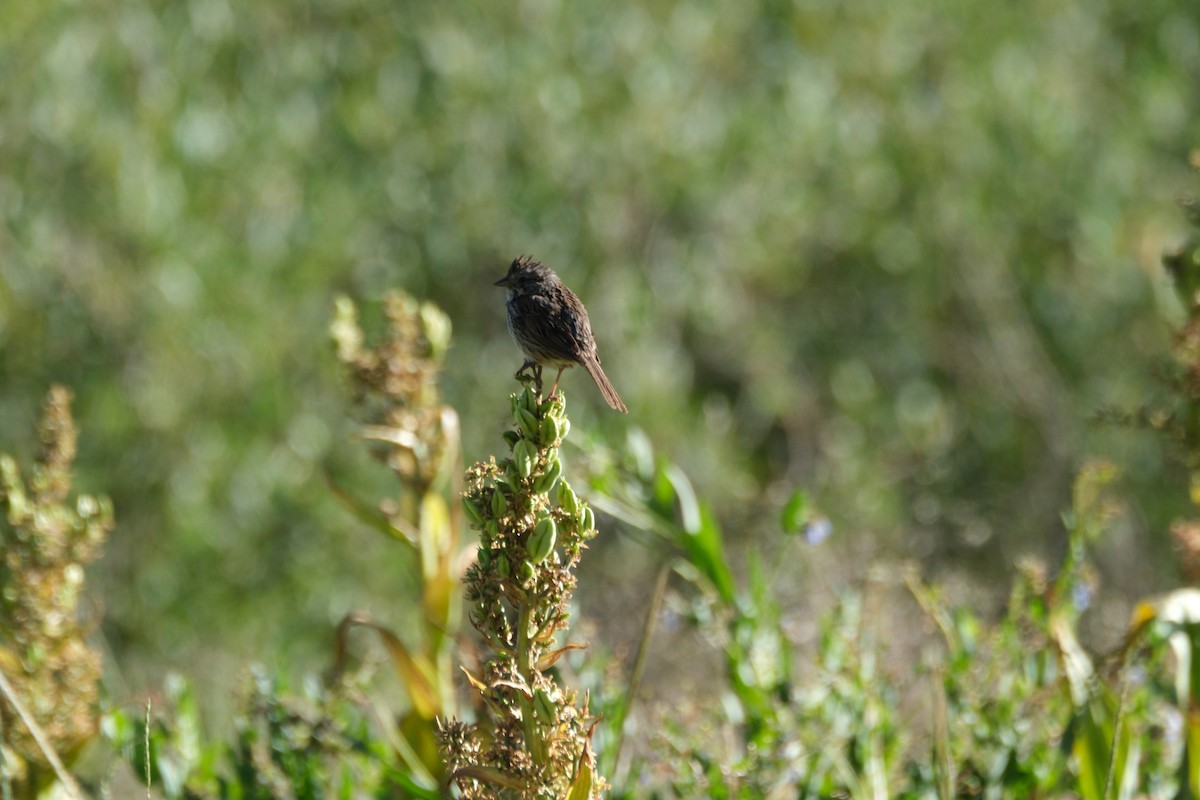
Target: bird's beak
(502, 282)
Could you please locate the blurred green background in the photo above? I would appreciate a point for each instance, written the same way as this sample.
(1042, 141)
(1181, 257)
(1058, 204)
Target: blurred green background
(897, 254)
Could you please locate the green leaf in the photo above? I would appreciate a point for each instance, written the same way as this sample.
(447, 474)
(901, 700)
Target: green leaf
(1090, 746)
(1189, 767)
(689, 506)
(365, 513)
(795, 512)
(701, 539)
(706, 549)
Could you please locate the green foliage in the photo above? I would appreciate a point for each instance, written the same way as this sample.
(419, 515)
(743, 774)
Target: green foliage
(1019, 707)
(313, 744)
(884, 249)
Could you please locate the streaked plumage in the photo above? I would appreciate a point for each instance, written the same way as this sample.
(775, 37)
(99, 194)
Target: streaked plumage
(551, 326)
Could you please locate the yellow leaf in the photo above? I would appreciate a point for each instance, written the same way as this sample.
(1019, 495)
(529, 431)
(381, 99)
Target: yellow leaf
(416, 672)
(479, 685)
(548, 660)
(581, 787)
(435, 533)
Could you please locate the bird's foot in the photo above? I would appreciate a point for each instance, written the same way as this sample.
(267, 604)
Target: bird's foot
(530, 373)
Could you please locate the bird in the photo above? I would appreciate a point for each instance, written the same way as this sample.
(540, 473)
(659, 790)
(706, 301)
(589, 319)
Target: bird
(550, 325)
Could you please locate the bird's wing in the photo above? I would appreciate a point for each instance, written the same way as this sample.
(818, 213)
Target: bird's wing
(560, 335)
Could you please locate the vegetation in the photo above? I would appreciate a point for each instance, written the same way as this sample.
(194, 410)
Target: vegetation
(906, 503)
(1019, 707)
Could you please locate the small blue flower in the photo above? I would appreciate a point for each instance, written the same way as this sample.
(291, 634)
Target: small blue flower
(1082, 595)
(817, 530)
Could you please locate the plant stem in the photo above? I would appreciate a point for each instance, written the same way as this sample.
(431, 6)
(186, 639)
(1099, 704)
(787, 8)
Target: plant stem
(525, 667)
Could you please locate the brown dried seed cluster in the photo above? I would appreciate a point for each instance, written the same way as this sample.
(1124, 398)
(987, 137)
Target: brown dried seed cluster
(396, 384)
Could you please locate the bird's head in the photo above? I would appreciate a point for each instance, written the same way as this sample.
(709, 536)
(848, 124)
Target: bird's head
(525, 272)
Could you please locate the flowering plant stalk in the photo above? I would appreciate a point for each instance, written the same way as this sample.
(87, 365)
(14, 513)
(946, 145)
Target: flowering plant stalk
(534, 740)
(49, 675)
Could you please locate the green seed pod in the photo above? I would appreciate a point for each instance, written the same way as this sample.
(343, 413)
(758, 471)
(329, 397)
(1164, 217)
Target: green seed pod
(554, 405)
(564, 427)
(527, 400)
(512, 437)
(499, 503)
(525, 572)
(472, 511)
(524, 455)
(515, 401)
(528, 423)
(543, 707)
(567, 499)
(492, 528)
(484, 557)
(545, 482)
(548, 430)
(513, 480)
(587, 520)
(541, 541)
(502, 566)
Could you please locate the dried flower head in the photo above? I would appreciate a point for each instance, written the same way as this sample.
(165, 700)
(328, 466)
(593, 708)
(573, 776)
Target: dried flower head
(396, 384)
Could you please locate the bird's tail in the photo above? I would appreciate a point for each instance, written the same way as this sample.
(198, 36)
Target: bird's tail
(592, 365)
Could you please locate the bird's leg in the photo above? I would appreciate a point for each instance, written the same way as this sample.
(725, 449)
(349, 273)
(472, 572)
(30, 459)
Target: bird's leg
(527, 377)
(535, 375)
(522, 377)
(554, 389)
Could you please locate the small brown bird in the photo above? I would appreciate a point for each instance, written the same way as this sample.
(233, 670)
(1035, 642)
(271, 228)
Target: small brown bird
(551, 326)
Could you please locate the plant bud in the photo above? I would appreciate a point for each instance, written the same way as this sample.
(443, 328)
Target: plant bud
(541, 541)
(527, 400)
(499, 503)
(472, 511)
(492, 528)
(587, 521)
(502, 566)
(512, 437)
(567, 499)
(525, 573)
(545, 482)
(548, 430)
(554, 405)
(564, 427)
(524, 455)
(484, 557)
(528, 423)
